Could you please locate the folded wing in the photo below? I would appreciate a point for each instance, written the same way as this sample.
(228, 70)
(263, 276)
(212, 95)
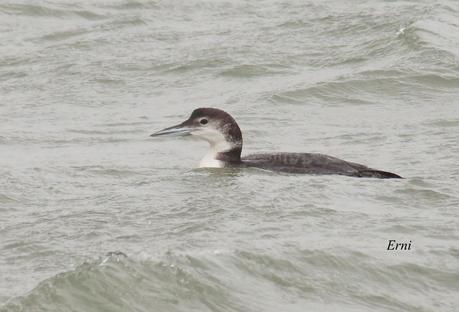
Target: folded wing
(312, 163)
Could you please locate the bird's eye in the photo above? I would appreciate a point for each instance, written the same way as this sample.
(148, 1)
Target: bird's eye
(203, 121)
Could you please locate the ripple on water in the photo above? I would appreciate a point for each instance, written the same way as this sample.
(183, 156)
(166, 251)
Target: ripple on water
(5, 199)
(250, 70)
(63, 35)
(45, 11)
(133, 5)
(425, 195)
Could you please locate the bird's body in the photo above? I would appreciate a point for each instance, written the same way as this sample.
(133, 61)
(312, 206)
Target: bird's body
(225, 139)
(312, 163)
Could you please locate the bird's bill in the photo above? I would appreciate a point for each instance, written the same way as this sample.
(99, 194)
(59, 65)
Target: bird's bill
(178, 130)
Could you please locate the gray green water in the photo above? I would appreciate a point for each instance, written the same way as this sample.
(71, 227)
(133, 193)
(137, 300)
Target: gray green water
(97, 216)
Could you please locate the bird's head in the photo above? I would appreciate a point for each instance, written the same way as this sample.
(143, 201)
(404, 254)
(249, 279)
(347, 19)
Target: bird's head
(211, 124)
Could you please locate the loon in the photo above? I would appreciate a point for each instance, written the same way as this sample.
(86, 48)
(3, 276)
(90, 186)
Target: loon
(225, 138)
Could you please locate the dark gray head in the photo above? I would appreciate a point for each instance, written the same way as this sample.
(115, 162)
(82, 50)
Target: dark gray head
(216, 127)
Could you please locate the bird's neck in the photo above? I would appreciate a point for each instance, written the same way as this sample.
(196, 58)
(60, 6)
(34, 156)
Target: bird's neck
(222, 154)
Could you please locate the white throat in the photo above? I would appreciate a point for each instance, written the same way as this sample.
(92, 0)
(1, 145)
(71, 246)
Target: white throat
(210, 159)
(218, 144)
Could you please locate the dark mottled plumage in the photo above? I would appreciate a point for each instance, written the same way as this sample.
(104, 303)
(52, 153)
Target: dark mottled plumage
(310, 163)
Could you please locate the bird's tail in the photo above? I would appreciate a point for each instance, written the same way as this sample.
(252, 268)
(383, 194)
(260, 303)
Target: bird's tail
(372, 173)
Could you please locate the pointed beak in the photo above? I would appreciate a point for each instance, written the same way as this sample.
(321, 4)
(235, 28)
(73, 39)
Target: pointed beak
(178, 130)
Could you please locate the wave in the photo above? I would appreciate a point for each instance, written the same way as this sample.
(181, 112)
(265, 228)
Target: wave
(241, 280)
(117, 283)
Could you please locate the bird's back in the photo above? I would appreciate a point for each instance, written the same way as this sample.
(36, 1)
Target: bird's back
(312, 163)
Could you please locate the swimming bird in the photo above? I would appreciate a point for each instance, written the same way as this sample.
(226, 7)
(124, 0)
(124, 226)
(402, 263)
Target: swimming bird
(225, 139)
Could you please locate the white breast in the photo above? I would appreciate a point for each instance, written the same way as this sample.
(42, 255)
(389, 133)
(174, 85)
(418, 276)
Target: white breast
(210, 161)
(218, 144)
